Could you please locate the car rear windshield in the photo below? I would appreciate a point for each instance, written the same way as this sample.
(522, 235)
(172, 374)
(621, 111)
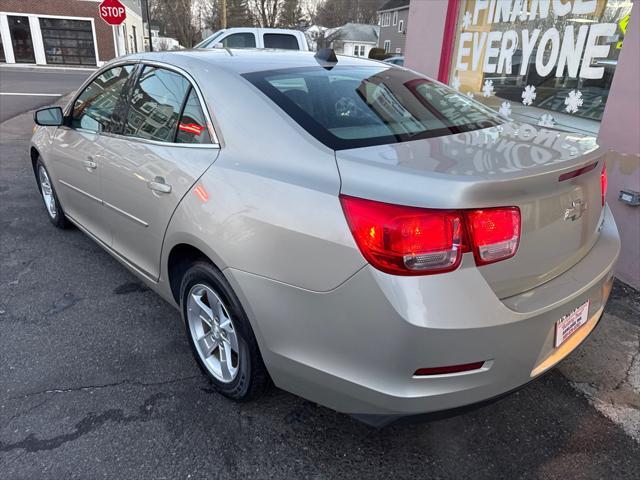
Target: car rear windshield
(358, 106)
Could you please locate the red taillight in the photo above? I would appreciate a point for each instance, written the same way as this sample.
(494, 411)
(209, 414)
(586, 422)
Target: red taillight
(405, 240)
(418, 241)
(603, 184)
(494, 232)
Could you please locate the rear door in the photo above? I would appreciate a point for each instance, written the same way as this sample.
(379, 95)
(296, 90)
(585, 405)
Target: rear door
(166, 144)
(76, 152)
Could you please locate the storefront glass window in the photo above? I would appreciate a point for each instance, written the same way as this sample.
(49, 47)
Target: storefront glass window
(549, 62)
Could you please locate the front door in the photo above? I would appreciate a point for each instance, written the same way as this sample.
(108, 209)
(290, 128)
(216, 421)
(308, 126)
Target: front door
(20, 32)
(77, 153)
(164, 149)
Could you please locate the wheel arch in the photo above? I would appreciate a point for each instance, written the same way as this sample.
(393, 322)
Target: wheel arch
(34, 154)
(180, 258)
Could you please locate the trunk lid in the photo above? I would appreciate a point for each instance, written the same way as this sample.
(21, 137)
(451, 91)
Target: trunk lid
(514, 164)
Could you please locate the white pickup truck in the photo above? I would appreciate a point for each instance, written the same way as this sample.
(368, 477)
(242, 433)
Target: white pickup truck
(249, 37)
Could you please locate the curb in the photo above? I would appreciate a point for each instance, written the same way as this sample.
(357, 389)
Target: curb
(44, 68)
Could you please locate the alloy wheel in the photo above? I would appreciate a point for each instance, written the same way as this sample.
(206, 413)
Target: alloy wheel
(213, 333)
(47, 192)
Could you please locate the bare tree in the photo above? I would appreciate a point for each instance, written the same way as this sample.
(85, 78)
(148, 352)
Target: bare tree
(176, 19)
(266, 11)
(238, 14)
(333, 13)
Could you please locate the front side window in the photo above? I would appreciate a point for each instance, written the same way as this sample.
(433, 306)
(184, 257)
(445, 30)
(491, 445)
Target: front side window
(156, 104)
(350, 107)
(240, 40)
(193, 125)
(94, 109)
(209, 42)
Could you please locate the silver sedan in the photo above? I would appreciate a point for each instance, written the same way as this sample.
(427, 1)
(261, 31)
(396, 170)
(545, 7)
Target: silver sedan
(357, 233)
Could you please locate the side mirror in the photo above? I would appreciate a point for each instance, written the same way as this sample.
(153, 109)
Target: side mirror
(49, 117)
(218, 45)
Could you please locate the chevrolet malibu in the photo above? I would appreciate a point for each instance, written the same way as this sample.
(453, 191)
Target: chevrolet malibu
(359, 234)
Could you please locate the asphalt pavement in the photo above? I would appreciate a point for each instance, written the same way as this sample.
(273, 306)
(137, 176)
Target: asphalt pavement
(97, 381)
(28, 88)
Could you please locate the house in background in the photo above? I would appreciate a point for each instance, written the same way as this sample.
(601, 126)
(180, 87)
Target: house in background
(394, 16)
(161, 43)
(355, 39)
(315, 34)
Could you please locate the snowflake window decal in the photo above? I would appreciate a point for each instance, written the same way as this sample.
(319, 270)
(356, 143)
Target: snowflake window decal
(455, 83)
(466, 20)
(487, 88)
(529, 95)
(573, 101)
(546, 120)
(505, 109)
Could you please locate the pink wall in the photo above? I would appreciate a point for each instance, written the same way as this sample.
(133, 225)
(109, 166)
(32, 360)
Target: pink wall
(620, 132)
(425, 30)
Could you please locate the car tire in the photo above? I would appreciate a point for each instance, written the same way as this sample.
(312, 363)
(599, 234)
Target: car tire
(210, 327)
(49, 197)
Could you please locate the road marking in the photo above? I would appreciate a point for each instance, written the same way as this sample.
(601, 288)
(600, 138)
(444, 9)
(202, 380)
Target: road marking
(32, 94)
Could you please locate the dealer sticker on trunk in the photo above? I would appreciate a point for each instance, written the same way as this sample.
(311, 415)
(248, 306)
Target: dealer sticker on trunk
(567, 325)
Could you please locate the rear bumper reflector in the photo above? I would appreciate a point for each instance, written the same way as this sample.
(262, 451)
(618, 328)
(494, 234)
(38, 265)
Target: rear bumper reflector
(466, 367)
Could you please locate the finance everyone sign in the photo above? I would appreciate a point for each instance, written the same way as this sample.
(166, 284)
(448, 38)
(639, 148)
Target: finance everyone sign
(574, 49)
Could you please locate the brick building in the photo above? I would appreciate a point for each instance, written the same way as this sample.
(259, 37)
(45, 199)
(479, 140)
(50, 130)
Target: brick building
(66, 32)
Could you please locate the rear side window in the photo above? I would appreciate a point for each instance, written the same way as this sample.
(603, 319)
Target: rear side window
(240, 40)
(193, 125)
(156, 104)
(281, 40)
(354, 106)
(94, 108)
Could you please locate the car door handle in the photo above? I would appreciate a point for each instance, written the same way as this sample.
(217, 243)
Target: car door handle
(89, 164)
(159, 186)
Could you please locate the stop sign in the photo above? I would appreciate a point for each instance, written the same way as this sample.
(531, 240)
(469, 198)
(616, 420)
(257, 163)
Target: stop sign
(112, 12)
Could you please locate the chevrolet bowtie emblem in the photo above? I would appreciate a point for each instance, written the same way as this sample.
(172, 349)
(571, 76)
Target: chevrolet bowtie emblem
(573, 213)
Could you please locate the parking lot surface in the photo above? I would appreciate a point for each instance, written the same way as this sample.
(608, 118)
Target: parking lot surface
(97, 381)
(25, 88)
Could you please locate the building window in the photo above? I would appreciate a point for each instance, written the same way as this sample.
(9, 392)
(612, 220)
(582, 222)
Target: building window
(68, 41)
(358, 50)
(395, 17)
(401, 26)
(561, 61)
(126, 40)
(3, 59)
(135, 39)
(386, 19)
(387, 46)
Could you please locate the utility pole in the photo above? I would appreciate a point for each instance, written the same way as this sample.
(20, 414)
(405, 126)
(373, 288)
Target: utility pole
(223, 13)
(149, 26)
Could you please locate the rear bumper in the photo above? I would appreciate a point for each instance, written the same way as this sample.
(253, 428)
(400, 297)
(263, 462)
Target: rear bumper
(355, 348)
